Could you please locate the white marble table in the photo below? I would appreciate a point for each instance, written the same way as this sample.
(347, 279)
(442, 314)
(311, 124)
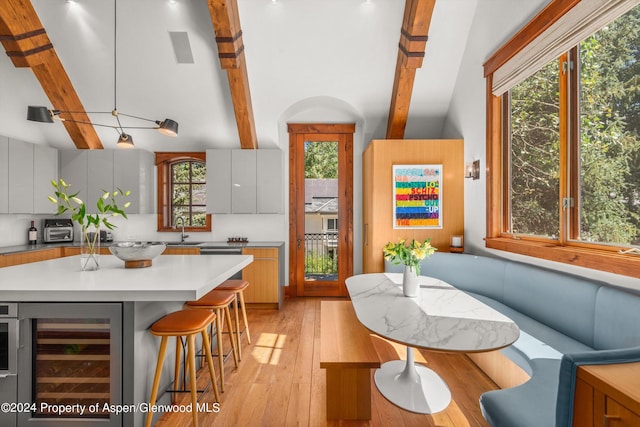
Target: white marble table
(440, 318)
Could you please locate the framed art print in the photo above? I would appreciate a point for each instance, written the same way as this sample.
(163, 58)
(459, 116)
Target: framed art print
(417, 196)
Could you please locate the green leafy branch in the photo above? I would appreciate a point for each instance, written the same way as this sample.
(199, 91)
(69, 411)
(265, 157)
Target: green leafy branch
(107, 205)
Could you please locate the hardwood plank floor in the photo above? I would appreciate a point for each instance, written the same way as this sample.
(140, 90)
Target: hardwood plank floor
(280, 383)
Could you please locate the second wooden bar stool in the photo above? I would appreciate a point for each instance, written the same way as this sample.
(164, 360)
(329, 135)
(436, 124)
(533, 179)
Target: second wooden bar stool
(238, 286)
(218, 302)
(184, 323)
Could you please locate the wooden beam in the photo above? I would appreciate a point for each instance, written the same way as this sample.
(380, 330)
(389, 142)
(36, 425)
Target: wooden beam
(27, 44)
(226, 23)
(413, 41)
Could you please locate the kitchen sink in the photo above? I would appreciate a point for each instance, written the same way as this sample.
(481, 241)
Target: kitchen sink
(183, 243)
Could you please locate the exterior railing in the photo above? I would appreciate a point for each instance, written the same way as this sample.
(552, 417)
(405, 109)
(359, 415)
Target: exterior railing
(321, 255)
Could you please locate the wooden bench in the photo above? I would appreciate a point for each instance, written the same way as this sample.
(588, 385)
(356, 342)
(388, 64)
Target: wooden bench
(348, 355)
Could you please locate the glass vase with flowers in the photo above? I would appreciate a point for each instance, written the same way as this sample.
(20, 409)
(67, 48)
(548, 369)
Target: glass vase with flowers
(410, 255)
(107, 207)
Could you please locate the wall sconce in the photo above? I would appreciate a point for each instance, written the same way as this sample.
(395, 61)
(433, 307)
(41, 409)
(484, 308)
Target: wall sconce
(472, 170)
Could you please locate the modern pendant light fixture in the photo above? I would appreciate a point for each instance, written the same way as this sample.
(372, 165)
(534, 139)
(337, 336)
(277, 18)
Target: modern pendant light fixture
(45, 115)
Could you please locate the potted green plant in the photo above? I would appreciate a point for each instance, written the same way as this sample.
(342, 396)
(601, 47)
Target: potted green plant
(410, 255)
(107, 206)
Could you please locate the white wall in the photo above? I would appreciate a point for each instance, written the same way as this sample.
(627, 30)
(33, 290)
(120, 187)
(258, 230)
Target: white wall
(13, 228)
(495, 22)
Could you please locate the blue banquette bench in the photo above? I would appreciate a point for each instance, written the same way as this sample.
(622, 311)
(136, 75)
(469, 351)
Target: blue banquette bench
(564, 321)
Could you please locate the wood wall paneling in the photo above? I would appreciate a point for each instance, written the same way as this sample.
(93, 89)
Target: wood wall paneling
(378, 159)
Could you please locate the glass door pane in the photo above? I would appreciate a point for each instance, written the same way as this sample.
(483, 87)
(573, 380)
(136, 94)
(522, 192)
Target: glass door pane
(321, 211)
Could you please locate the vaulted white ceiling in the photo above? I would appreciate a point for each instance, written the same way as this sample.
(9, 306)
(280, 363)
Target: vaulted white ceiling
(296, 51)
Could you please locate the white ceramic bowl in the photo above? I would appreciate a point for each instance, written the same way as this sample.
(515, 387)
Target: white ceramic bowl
(137, 251)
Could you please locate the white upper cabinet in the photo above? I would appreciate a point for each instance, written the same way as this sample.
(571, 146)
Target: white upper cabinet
(244, 181)
(26, 171)
(45, 170)
(74, 169)
(133, 170)
(270, 181)
(20, 176)
(219, 181)
(4, 175)
(100, 177)
(93, 172)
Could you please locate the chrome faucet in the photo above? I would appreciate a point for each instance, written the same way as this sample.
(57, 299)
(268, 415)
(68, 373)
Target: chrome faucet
(184, 236)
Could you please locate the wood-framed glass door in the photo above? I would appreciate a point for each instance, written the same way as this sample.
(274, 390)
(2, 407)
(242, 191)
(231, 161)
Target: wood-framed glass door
(320, 212)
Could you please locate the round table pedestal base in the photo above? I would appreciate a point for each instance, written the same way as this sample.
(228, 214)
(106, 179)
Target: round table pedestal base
(412, 387)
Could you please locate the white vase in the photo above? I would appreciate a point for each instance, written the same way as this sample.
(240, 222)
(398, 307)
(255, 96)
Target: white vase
(410, 282)
(90, 249)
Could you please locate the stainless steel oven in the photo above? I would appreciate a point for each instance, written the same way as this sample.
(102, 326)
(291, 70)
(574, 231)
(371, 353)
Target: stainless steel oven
(8, 362)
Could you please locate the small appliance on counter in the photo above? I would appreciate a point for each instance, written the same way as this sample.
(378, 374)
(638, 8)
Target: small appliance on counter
(106, 236)
(58, 230)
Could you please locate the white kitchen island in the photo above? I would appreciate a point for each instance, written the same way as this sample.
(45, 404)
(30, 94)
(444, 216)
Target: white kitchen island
(141, 295)
(170, 278)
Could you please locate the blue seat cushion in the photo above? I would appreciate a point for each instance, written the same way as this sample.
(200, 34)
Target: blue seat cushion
(532, 404)
(554, 299)
(536, 341)
(617, 319)
(480, 274)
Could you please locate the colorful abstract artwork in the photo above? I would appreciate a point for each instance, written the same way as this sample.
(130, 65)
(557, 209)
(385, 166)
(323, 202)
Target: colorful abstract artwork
(417, 196)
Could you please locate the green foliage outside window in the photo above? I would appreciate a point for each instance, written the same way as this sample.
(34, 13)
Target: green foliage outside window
(188, 193)
(609, 141)
(610, 133)
(535, 160)
(321, 160)
(320, 263)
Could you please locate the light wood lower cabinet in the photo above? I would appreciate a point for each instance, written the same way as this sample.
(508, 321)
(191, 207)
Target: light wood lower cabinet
(27, 257)
(607, 396)
(181, 251)
(263, 277)
(75, 250)
(51, 253)
(167, 251)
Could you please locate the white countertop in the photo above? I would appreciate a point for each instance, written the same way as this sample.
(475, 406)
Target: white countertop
(170, 278)
(441, 317)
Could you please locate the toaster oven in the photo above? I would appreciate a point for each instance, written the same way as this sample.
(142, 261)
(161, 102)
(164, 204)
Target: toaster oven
(58, 230)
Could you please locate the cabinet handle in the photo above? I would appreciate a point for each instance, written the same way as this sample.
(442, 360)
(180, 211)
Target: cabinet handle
(299, 241)
(608, 418)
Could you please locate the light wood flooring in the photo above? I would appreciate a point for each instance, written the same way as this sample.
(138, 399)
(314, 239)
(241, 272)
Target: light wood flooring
(279, 381)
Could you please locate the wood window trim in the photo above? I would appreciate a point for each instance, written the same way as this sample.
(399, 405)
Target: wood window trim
(597, 257)
(163, 162)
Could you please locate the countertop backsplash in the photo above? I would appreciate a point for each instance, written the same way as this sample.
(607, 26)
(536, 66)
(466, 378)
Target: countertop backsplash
(13, 228)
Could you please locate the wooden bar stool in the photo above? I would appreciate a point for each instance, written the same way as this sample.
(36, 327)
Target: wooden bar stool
(184, 323)
(218, 302)
(238, 286)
